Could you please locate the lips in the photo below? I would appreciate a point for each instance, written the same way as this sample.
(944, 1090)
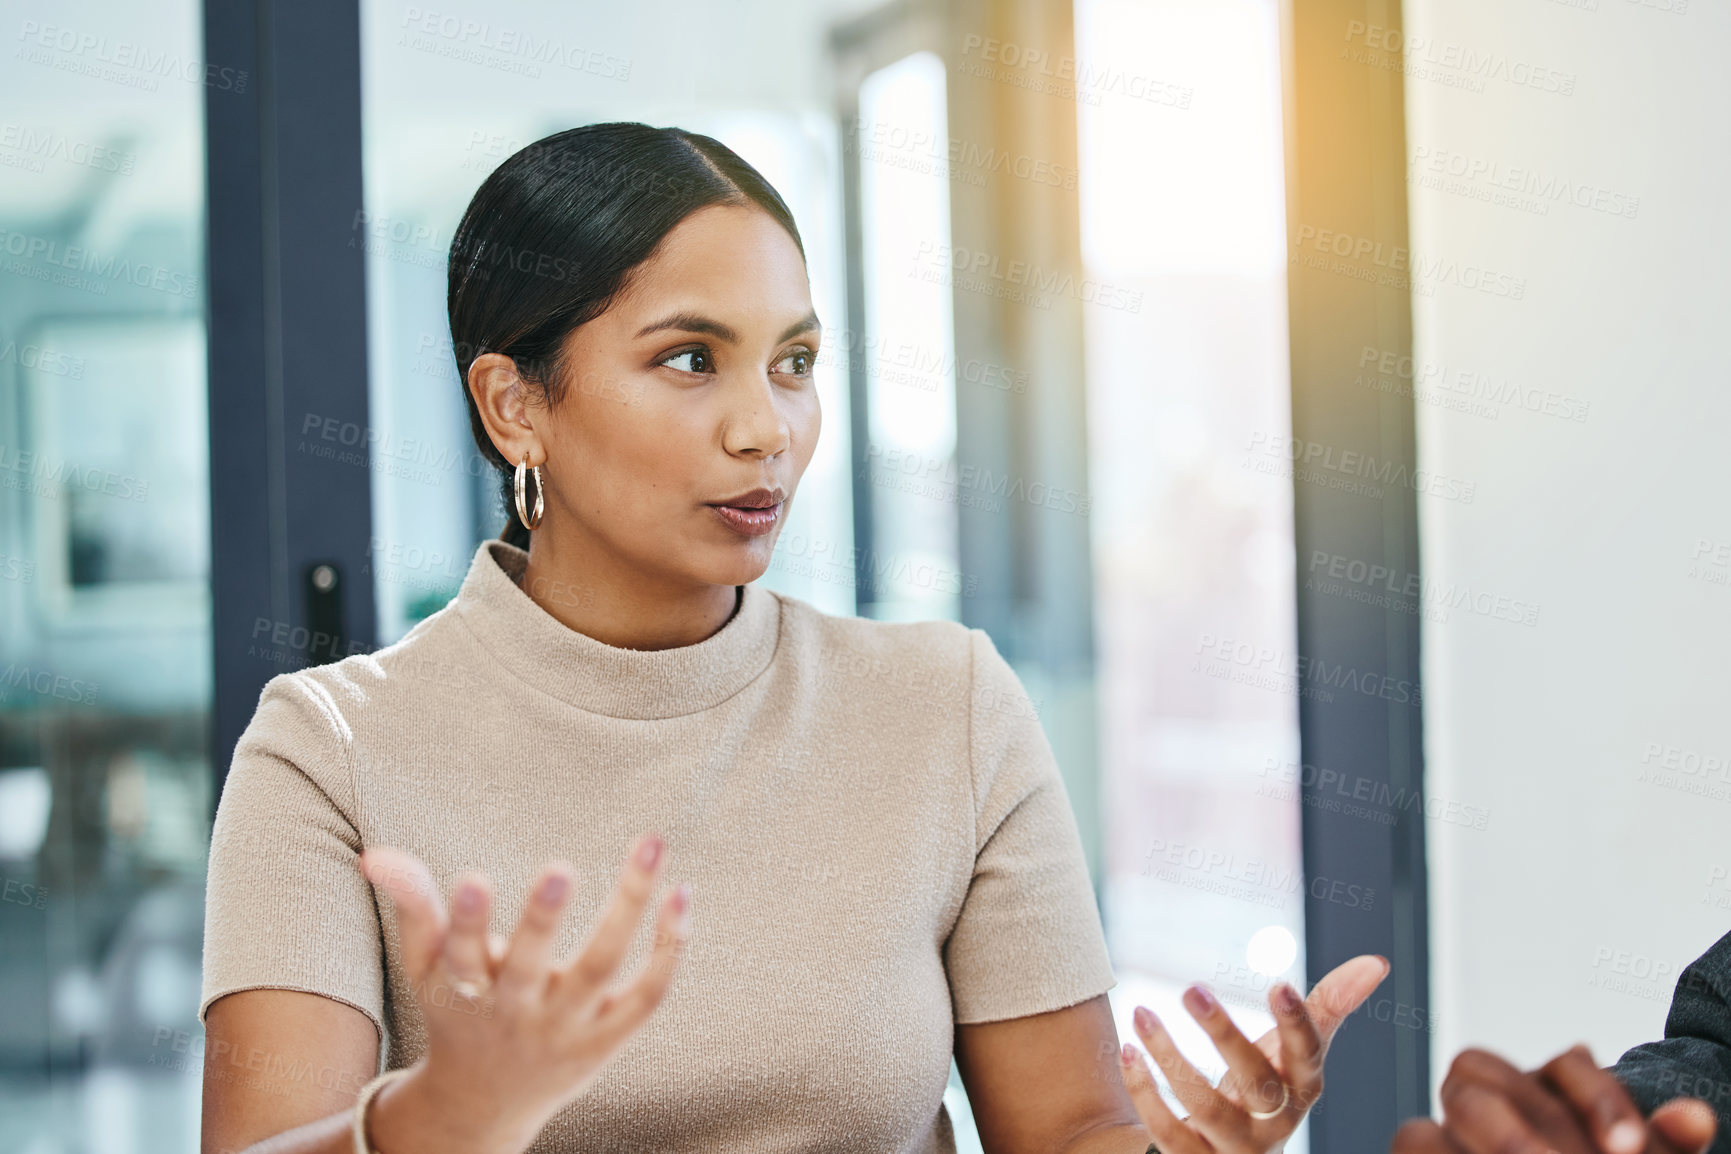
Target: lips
(751, 514)
(756, 499)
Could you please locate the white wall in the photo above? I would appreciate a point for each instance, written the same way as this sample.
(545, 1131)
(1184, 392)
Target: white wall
(1597, 521)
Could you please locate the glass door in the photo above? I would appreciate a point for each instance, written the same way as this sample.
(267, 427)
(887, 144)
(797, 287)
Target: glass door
(105, 635)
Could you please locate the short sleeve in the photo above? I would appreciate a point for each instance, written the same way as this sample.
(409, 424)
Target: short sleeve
(286, 905)
(1028, 939)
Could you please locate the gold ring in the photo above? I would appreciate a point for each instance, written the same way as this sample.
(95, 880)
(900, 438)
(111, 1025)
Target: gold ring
(1285, 1099)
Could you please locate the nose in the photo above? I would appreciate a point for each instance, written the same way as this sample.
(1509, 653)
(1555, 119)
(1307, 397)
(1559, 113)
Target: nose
(755, 424)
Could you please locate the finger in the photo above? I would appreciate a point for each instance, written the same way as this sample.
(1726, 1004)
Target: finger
(1598, 1098)
(1343, 990)
(1683, 1126)
(1170, 1134)
(525, 968)
(1209, 1111)
(1486, 1122)
(421, 923)
(466, 943)
(1302, 1048)
(1252, 1077)
(602, 954)
(621, 1014)
(1422, 1136)
(496, 947)
(1542, 1111)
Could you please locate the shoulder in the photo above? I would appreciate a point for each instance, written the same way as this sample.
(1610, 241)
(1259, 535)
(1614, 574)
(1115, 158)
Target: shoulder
(913, 656)
(434, 655)
(309, 717)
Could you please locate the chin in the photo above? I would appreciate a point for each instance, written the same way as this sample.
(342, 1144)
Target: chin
(738, 563)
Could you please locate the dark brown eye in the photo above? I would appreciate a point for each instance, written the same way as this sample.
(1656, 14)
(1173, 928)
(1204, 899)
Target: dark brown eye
(697, 361)
(799, 359)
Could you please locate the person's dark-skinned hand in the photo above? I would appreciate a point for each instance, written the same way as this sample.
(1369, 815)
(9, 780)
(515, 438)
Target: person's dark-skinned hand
(1567, 1106)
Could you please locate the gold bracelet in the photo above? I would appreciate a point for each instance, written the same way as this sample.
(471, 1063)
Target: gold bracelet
(368, 1093)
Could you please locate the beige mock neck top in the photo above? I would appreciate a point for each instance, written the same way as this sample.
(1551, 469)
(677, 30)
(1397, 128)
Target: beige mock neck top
(877, 838)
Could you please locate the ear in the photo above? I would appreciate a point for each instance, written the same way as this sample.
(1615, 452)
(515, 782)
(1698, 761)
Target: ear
(502, 398)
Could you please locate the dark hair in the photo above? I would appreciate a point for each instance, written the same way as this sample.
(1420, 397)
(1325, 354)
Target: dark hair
(551, 237)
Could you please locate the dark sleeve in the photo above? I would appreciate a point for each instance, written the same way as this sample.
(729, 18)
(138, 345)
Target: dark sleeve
(1694, 1059)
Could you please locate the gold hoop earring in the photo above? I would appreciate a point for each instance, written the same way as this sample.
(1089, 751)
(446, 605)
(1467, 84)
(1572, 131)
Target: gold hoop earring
(540, 495)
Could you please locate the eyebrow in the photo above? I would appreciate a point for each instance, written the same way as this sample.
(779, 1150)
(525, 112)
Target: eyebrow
(697, 323)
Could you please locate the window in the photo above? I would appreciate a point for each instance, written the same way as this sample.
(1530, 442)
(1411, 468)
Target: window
(1183, 205)
(105, 634)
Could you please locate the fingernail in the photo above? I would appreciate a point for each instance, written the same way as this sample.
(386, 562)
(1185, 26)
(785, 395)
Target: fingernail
(682, 903)
(1144, 1018)
(649, 852)
(1127, 1055)
(1200, 1001)
(553, 889)
(468, 897)
(1626, 1137)
(1286, 999)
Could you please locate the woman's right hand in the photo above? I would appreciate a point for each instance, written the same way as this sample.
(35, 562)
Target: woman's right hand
(512, 1034)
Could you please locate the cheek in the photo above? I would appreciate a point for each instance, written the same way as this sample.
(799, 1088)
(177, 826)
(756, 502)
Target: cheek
(807, 422)
(637, 454)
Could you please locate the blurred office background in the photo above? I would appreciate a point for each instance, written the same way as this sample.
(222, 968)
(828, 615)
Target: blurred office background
(1050, 244)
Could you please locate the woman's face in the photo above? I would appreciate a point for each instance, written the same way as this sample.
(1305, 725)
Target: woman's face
(688, 410)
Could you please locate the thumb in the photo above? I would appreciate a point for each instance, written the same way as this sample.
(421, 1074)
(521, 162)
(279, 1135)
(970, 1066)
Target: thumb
(421, 919)
(1343, 990)
(1685, 1125)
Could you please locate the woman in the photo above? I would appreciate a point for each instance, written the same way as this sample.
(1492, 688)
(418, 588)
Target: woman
(878, 862)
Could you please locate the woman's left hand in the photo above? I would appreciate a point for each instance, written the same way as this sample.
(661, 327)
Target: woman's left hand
(1270, 1084)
